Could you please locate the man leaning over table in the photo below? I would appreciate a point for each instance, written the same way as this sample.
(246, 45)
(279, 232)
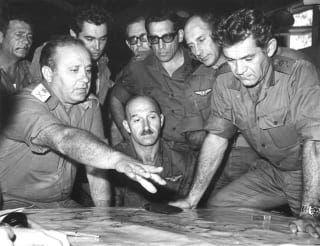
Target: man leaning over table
(272, 97)
(56, 126)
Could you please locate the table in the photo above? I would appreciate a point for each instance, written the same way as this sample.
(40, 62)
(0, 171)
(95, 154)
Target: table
(128, 226)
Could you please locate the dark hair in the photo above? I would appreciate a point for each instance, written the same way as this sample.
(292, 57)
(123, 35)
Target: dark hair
(151, 99)
(94, 14)
(47, 57)
(164, 15)
(6, 18)
(132, 20)
(243, 23)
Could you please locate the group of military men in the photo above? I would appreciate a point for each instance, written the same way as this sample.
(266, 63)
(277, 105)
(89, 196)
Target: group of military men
(192, 89)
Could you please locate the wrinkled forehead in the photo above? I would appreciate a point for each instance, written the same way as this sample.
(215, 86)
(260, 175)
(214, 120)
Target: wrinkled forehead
(196, 28)
(136, 28)
(93, 30)
(160, 28)
(141, 107)
(72, 54)
(19, 25)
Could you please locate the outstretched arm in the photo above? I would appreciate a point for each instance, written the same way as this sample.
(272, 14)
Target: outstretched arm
(211, 155)
(84, 147)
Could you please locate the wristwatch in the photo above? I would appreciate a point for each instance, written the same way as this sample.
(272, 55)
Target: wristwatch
(310, 210)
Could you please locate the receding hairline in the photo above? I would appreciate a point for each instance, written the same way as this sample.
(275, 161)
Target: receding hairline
(152, 101)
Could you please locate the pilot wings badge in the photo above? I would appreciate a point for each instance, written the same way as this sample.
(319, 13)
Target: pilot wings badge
(203, 93)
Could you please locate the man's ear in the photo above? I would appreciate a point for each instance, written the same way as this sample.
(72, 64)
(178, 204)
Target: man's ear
(272, 47)
(161, 119)
(47, 73)
(127, 43)
(180, 35)
(72, 33)
(126, 126)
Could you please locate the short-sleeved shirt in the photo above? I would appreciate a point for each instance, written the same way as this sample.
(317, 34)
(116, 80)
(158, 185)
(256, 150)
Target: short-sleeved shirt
(16, 78)
(33, 172)
(178, 170)
(148, 77)
(198, 96)
(286, 114)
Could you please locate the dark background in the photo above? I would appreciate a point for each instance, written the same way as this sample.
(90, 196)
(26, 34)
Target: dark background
(51, 17)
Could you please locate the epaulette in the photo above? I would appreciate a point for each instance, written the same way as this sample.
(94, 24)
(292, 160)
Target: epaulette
(283, 64)
(41, 93)
(224, 68)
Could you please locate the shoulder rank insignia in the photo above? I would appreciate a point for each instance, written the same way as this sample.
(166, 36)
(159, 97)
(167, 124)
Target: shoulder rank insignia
(40, 92)
(283, 64)
(203, 93)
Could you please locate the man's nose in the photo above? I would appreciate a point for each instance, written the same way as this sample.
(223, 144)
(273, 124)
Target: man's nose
(197, 51)
(146, 125)
(161, 44)
(240, 67)
(97, 45)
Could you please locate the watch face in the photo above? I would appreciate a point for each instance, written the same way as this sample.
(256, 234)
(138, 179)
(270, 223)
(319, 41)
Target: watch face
(315, 211)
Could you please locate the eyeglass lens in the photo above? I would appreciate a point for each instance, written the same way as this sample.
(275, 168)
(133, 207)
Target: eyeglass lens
(167, 38)
(134, 39)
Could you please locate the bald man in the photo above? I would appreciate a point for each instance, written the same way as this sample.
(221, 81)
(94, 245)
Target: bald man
(144, 123)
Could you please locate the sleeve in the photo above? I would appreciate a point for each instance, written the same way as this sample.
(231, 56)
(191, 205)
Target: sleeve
(304, 100)
(220, 117)
(29, 117)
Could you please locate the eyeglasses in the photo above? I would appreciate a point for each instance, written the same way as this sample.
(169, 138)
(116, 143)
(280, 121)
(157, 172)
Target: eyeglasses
(166, 38)
(134, 39)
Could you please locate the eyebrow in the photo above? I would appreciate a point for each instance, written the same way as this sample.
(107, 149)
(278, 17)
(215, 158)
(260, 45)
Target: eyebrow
(88, 36)
(241, 58)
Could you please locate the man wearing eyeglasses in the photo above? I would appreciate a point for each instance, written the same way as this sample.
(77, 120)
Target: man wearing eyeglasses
(137, 42)
(161, 75)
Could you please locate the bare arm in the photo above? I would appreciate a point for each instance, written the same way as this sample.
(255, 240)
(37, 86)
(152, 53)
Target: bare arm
(100, 188)
(211, 155)
(85, 148)
(311, 192)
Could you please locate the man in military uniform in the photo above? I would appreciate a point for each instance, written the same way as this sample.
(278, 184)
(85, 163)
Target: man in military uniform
(15, 42)
(55, 127)
(143, 123)
(274, 101)
(198, 36)
(161, 75)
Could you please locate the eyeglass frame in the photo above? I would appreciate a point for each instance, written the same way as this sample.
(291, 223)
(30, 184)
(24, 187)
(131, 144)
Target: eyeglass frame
(136, 38)
(174, 34)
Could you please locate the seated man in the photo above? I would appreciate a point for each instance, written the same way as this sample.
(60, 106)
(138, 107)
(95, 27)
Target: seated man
(55, 126)
(144, 123)
(15, 42)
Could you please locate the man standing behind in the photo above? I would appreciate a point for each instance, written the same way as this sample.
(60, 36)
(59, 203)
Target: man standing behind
(137, 41)
(274, 101)
(15, 42)
(143, 123)
(56, 126)
(161, 75)
(205, 47)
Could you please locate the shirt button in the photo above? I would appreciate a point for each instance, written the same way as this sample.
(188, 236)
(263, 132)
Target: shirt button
(173, 128)
(172, 111)
(275, 122)
(263, 145)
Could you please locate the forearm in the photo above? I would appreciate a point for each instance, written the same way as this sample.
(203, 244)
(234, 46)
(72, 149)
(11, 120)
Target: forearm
(100, 188)
(118, 115)
(311, 173)
(211, 155)
(79, 145)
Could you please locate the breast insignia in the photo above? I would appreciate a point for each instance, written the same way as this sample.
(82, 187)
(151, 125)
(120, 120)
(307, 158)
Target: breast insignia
(203, 93)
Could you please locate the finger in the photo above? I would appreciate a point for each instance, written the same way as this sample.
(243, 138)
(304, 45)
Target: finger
(311, 231)
(318, 229)
(146, 184)
(153, 169)
(158, 179)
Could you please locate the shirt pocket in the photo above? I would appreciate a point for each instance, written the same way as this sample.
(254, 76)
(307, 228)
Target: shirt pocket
(280, 129)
